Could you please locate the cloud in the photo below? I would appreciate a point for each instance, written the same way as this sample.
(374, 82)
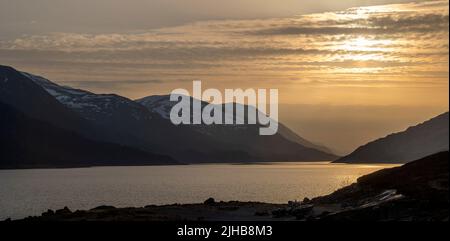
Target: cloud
(402, 40)
(375, 25)
(109, 84)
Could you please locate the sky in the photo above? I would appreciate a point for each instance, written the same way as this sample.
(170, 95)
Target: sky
(347, 71)
(99, 16)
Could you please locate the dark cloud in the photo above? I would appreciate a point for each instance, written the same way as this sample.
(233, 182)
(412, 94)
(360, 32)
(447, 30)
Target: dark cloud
(187, 55)
(373, 25)
(94, 84)
(418, 23)
(355, 64)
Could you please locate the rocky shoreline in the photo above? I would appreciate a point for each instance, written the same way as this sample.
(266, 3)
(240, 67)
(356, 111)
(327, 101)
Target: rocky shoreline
(417, 191)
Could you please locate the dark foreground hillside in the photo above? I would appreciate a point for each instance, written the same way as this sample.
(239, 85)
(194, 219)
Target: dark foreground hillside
(414, 191)
(29, 143)
(417, 191)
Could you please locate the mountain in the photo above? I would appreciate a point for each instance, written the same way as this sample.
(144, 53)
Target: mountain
(284, 146)
(24, 95)
(146, 126)
(30, 143)
(115, 119)
(415, 142)
(161, 105)
(126, 122)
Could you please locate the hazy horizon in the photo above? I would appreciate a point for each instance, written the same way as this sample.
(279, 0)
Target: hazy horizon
(346, 74)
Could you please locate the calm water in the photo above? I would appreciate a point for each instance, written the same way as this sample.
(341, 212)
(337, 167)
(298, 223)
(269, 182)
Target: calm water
(31, 192)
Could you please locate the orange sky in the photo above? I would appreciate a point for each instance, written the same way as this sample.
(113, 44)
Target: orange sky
(362, 58)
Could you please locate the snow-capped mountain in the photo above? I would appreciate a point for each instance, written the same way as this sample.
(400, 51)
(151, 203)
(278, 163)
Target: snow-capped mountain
(37, 130)
(28, 97)
(144, 124)
(161, 105)
(158, 104)
(92, 106)
(127, 122)
(121, 120)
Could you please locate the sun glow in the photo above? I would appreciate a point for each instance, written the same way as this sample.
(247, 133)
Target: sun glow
(363, 49)
(364, 44)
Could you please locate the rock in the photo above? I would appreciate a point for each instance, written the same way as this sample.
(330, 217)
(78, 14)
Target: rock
(63, 211)
(228, 208)
(301, 211)
(104, 207)
(48, 213)
(279, 213)
(324, 213)
(209, 201)
(294, 203)
(262, 213)
(79, 213)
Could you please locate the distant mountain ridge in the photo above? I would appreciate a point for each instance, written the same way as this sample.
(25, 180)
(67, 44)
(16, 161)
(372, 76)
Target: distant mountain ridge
(285, 145)
(111, 118)
(161, 105)
(418, 141)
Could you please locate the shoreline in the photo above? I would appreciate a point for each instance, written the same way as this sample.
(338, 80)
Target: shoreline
(416, 191)
(203, 163)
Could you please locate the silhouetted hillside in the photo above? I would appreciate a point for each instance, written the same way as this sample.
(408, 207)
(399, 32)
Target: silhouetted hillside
(29, 143)
(416, 142)
(415, 191)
